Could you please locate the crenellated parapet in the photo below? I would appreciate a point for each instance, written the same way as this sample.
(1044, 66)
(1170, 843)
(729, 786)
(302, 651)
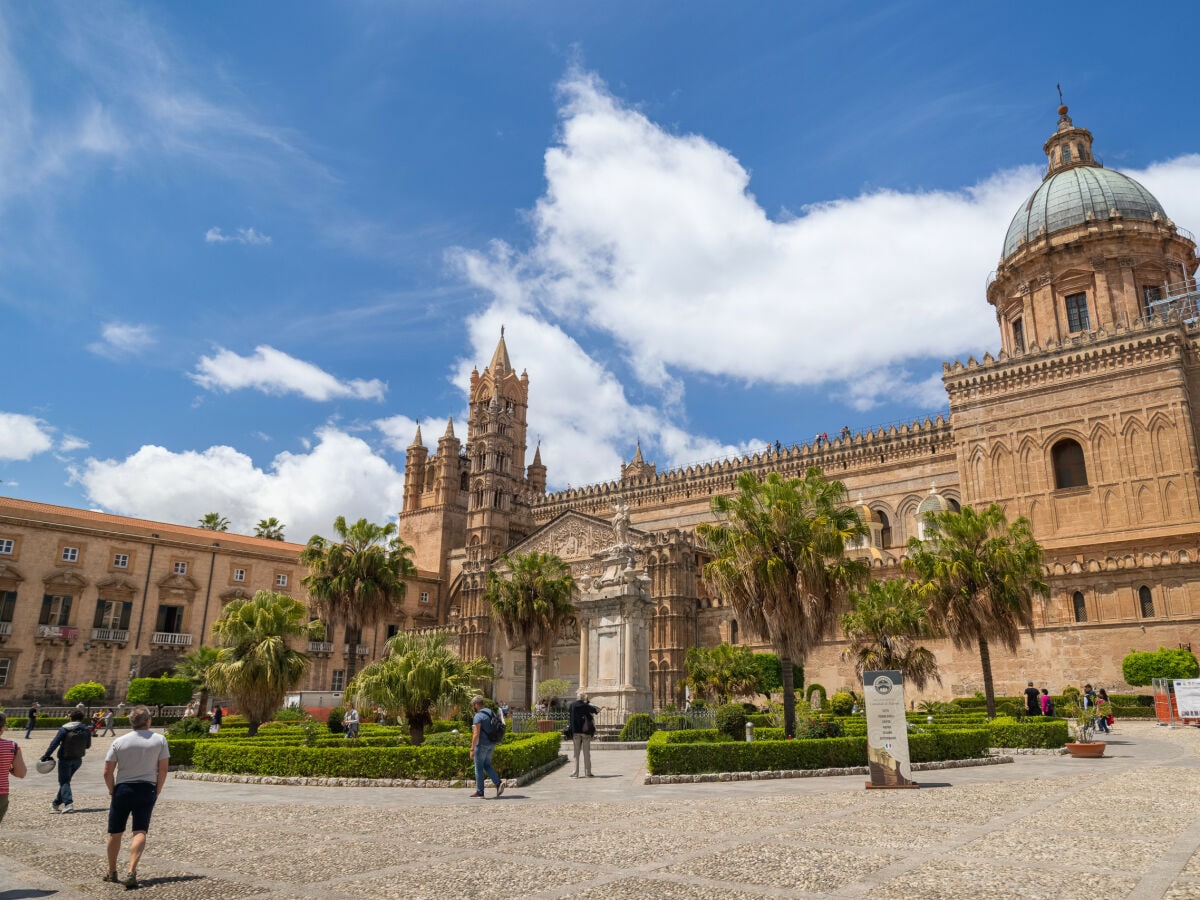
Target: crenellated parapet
(840, 456)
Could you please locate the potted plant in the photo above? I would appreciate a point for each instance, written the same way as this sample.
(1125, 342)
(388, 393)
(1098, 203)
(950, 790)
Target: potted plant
(1085, 746)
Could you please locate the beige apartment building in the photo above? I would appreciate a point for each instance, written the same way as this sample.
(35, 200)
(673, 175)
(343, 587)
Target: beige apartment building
(1083, 421)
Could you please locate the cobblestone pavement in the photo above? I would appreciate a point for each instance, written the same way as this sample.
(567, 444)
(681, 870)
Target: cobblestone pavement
(1125, 826)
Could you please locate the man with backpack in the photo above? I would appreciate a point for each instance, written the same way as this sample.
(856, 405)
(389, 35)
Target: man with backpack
(72, 741)
(487, 730)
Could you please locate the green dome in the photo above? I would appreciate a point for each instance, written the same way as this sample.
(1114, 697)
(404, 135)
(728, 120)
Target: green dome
(1077, 195)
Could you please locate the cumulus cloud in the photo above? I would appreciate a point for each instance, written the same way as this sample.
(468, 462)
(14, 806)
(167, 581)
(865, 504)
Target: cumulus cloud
(119, 340)
(215, 235)
(275, 372)
(23, 437)
(340, 475)
(398, 431)
(70, 443)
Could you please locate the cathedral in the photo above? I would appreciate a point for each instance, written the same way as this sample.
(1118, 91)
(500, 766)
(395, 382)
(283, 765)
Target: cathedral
(1081, 421)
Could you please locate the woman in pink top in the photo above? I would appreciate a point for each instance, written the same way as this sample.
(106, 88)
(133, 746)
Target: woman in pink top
(10, 761)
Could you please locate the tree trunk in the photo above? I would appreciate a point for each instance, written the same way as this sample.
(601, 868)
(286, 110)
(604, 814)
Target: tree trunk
(252, 730)
(203, 703)
(789, 697)
(529, 677)
(989, 690)
(416, 733)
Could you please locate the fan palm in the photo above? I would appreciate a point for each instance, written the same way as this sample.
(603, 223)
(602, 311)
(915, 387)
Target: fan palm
(978, 576)
(883, 628)
(255, 665)
(779, 559)
(722, 672)
(214, 522)
(420, 674)
(359, 579)
(271, 529)
(196, 667)
(532, 605)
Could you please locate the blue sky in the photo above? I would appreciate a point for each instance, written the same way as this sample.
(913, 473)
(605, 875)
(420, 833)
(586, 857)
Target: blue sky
(247, 247)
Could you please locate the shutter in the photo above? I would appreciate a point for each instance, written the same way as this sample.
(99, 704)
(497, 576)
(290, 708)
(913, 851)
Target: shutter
(126, 610)
(44, 618)
(65, 617)
(101, 606)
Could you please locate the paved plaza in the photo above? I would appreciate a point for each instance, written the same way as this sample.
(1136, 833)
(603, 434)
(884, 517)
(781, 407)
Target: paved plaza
(1044, 827)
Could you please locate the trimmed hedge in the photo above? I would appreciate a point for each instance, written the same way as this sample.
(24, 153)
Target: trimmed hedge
(516, 756)
(666, 754)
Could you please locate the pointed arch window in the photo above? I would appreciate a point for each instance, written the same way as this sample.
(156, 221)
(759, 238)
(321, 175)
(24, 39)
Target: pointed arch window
(1069, 467)
(1080, 607)
(885, 529)
(1146, 602)
(733, 632)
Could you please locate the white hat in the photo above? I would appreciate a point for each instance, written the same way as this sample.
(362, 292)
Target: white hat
(45, 766)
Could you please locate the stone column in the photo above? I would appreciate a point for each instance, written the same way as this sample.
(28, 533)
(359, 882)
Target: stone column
(583, 654)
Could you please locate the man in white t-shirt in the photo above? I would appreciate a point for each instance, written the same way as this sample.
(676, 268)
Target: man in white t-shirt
(135, 770)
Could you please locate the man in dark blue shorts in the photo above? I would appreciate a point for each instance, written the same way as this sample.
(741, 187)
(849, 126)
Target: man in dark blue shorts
(135, 771)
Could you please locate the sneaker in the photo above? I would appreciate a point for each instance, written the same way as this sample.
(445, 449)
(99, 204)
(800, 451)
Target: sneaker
(131, 882)
(478, 795)
(112, 877)
(68, 808)
(590, 775)
(499, 789)
(55, 807)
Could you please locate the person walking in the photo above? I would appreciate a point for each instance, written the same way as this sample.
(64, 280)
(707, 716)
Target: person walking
(214, 725)
(108, 723)
(1047, 702)
(484, 727)
(583, 728)
(135, 770)
(31, 719)
(72, 741)
(11, 763)
(1033, 705)
(351, 722)
(1103, 708)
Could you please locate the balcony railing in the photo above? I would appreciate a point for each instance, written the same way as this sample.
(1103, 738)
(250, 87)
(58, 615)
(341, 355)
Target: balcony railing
(57, 632)
(171, 639)
(320, 646)
(359, 649)
(5, 629)
(116, 635)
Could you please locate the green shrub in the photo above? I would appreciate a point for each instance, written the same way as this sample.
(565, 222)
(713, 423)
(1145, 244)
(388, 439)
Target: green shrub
(731, 720)
(160, 691)
(959, 743)
(815, 688)
(770, 673)
(672, 722)
(1133, 712)
(640, 726)
(1035, 731)
(695, 736)
(335, 720)
(1141, 668)
(87, 693)
(188, 726)
(812, 727)
(663, 758)
(761, 720)
(841, 704)
(448, 739)
(290, 714)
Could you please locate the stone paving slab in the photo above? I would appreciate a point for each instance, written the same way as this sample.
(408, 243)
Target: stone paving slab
(1126, 826)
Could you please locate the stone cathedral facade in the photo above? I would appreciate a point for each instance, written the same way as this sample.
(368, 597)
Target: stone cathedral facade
(1085, 420)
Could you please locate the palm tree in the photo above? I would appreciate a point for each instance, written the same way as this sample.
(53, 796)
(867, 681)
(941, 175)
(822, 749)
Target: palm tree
(978, 576)
(214, 522)
(420, 674)
(883, 628)
(722, 672)
(532, 605)
(779, 559)
(196, 667)
(358, 580)
(271, 529)
(255, 665)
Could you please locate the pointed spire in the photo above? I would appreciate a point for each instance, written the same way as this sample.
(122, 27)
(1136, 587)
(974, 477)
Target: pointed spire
(637, 454)
(417, 439)
(537, 455)
(500, 361)
(449, 428)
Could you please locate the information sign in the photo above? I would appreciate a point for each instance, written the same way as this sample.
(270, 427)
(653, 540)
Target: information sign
(887, 730)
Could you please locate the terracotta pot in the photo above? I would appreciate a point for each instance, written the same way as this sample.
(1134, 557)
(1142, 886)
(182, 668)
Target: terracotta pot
(545, 725)
(1091, 750)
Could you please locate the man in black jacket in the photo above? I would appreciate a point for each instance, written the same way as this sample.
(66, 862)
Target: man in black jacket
(73, 740)
(583, 727)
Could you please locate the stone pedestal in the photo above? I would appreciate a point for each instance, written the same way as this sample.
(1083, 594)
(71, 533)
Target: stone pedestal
(614, 646)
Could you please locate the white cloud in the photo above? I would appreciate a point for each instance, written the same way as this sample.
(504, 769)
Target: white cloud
(274, 372)
(215, 235)
(340, 475)
(23, 437)
(71, 443)
(398, 431)
(119, 340)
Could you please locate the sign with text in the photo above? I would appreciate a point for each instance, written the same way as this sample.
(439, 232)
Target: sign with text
(887, 730)
(1187, 697)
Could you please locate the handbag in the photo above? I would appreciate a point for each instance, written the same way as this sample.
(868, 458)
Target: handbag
(1112, 720)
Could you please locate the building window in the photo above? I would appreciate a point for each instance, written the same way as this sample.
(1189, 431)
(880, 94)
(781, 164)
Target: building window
(1146, 601)
(121, 561)
(47, 667)
(1066, 153)
(239, 574)
(180, 568)
(392, 631)
(885, 528)
(424, 596)
(1018, 330)
(339, 681)
(170, 620)
(8, 603)
(1069, 468)
(112, 614)
(6, 546)
(56, 610)
(463, 481)
(733, 632)
(70, 554)
(1080, 607)
(1077, 313)
(5, 668)
(1150, 296)
(281, 579)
